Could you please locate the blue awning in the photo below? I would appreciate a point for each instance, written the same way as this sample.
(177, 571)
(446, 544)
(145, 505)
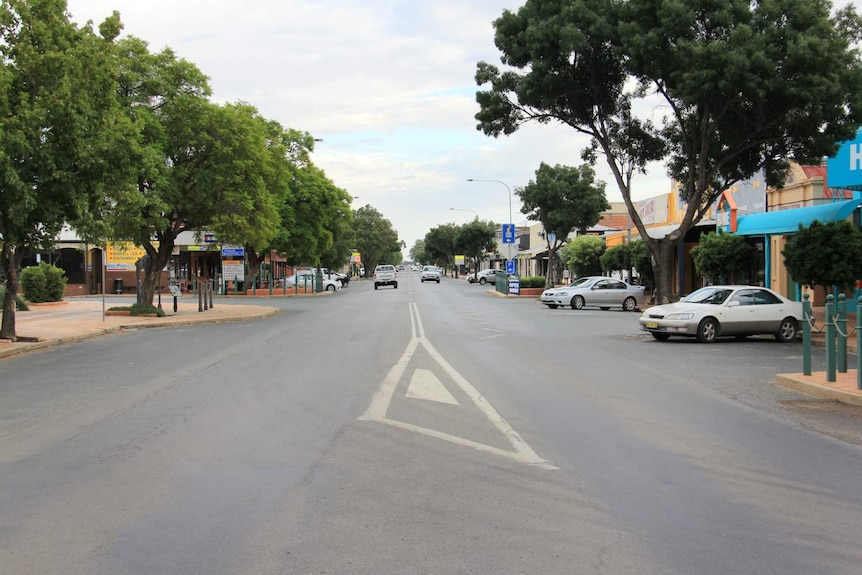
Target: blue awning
(788, 221)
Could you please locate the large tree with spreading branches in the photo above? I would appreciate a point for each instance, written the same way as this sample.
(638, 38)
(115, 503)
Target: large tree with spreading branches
(742, 86)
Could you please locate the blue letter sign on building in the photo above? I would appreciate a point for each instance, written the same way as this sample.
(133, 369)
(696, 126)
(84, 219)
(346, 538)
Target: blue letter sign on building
(844, 171)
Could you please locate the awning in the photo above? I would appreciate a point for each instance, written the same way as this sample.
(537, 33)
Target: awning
(788, 221)
(533, 252)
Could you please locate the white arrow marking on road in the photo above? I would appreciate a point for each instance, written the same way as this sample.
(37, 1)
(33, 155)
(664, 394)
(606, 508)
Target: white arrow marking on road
(376, 411)
(425, 385)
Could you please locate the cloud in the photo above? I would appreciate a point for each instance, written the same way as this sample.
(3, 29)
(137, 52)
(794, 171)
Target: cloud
(388, 85)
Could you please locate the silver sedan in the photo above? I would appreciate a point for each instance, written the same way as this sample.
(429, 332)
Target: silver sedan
(723, 310)
(595, 291)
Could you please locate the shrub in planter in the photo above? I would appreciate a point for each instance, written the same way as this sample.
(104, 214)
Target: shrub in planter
(138, 309)
(533, 282)
(43, 283)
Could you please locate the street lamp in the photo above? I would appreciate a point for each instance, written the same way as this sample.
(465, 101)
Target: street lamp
(463, 210)
(509, 246)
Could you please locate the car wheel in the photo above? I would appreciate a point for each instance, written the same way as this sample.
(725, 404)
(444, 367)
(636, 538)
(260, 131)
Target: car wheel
(375, 286)
(578, 302)
(482, 281)
(422, 281)
(707, 331)
(330, 287)
(438, 281)
(552, 305)
(629, 304)
(396, 286)
(787, 330)
(661, 336)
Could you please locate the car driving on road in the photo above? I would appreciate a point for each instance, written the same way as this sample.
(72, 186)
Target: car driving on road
(385, 275)
(430, 274)
(725, 310)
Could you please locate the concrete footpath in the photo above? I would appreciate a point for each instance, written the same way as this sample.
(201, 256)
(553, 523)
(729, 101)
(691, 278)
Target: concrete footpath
(48, 325)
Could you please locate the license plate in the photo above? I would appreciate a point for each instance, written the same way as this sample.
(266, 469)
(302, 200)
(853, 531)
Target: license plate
(651, 325)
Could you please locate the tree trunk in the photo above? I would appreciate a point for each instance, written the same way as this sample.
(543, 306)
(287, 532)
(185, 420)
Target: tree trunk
(10, 260)
(152, 272)
(663, 258)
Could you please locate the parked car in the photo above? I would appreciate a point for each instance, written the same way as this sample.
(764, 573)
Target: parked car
(343, 278)
(595, 291)
(385, 275)
(725, 310)
(306, 279)
(430, 274)
(484, 276)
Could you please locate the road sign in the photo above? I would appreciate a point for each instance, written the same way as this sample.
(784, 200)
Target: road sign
(232, 252)
(508, 233)
(510, 266)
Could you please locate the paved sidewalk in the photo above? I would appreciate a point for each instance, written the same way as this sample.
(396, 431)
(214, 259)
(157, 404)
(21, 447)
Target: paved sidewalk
(48, 325)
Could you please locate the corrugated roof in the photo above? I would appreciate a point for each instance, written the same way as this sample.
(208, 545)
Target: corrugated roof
(788, 221)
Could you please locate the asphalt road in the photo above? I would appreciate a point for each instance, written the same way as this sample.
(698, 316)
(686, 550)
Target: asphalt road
(428, 429)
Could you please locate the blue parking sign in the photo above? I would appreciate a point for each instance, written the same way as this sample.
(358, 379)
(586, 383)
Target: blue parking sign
(508, 233)
(510, 266)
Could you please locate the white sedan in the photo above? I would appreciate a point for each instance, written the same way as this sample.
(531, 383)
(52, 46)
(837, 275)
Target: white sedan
(308, 280)
(721, 310)
(595, 291)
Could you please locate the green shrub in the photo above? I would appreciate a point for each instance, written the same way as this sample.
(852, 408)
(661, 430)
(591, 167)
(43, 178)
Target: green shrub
(533, 282)
(43, 283)
(20, 304)
(138, 309)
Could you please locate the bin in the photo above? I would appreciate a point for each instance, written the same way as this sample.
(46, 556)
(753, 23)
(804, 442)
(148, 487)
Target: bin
(118, 285)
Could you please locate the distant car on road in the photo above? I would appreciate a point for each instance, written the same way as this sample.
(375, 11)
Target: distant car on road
(430, 274)
(725, 310)
(385, 275)
(595, 291)
(484, 276)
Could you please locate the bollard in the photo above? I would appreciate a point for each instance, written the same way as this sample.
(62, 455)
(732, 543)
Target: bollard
(200, 301)
(830, 339)
(204, 290)
(841, 329)
(270, 285)
(806, 334)
(235, 285)
(859, 343)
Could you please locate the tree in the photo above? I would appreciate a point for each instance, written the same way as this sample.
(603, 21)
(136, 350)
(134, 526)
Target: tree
(583, 255)
(375, 238)
(744, 85)
(475, 239)
(417, 252)
(617, 258)
(180, 182)
(825, 255)
(723, 257)
(63, 133)
(440, 244)
(563, 199)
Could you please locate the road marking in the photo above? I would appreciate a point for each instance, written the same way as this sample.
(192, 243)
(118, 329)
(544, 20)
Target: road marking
(425, 385)
(381, 399)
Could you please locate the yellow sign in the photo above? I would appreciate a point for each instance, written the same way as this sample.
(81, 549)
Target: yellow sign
(123, 255)
(355, 258)
(459, 260)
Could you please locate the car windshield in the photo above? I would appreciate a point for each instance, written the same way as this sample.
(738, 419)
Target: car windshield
(709, 295)
(429, 269)
(582, 282)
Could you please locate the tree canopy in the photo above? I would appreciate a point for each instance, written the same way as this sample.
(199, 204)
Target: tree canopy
(739, 86)
(583, 255)
(563, 199)
(63, 133)
(375, 238)
(825, 255)
(723, 258)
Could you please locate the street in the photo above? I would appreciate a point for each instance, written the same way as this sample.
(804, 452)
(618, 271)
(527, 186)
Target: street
(432, 428)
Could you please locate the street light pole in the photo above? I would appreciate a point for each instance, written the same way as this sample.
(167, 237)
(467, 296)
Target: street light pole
(463, 210)
(509, 246)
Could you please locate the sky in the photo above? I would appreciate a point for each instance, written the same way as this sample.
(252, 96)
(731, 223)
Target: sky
(386, 85)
